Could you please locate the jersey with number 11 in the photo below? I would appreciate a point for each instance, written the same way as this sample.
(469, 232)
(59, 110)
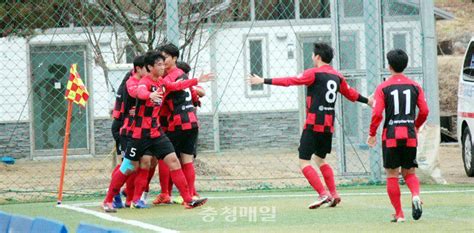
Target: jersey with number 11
(399, 96)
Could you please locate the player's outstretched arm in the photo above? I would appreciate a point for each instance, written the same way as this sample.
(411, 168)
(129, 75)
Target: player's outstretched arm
(352, 94)
(181, 85)
(302, 79)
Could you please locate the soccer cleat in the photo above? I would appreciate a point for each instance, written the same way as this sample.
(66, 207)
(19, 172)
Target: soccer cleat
(334, 202)
(416, 209)
(397, 219)
(195, 203)
(117, 202)
(144, 197)
(128, 204)
(162, 199)
(138, 205)
(321, 200)
(108, 207)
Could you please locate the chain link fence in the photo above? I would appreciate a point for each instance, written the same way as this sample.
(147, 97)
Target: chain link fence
(249, 135)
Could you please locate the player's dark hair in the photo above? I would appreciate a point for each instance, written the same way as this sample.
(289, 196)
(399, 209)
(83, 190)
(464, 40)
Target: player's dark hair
(170, 49)
(183, 66)
(398, 60)
(138, 61)
(324, 51)
(151, 58)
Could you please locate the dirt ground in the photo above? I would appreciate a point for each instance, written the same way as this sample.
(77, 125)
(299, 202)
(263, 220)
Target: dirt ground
(33, 180)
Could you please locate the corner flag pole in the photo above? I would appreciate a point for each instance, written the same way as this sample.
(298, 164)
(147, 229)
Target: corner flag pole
(65, 146)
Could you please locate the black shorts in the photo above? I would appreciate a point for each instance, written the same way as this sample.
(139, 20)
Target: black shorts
(122, 145)
(316, 143)
(158, 147)
(184, 141)
(395, 157)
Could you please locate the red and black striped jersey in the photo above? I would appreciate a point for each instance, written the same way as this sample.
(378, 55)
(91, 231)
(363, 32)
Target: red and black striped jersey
(145, 123)
(399, 96)
(322, 85)
(179, 103)
(118, 111)
(129, 105)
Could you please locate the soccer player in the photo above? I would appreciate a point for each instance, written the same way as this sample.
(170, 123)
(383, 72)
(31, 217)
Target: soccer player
(165, 180)
(399, 96)
(323, 83)
(123, 114)
(136, 180)
(182, 129)
(147, 136)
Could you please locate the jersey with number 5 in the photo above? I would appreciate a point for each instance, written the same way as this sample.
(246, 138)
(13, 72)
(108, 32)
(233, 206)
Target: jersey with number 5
(323, 83)
(399, 96)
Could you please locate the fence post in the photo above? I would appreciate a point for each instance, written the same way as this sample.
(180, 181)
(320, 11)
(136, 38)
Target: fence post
(340, 144)
(214, 91)
(430, 61)
(172, 22)
(374, 58)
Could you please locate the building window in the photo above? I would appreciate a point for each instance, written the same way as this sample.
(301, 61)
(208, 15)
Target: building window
(397, 8)
(274, 9)
(353, 8)
(256, 61)
(348, 52)
(311, 9)
(468, 67)
(399, 39)
(238, 10)
(256, 57)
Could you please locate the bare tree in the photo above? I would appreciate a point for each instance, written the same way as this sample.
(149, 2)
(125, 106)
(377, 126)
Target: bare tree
(144, 24)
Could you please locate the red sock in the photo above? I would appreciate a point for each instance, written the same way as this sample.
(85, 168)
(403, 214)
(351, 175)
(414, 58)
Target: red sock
(180, 181)
(151, 173)
(413, 184)
(328, 175)
(170, 186)
(115, 169)
(393, 191)
(118, 179)
(130, 189)
(140, 183)
(189, 173)
(164, 174)
(313, 179)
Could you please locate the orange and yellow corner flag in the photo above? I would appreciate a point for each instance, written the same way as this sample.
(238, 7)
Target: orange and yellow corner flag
(76, 91)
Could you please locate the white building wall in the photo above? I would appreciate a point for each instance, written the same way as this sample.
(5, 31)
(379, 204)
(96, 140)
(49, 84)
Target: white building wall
(13, 80)
(232, 66)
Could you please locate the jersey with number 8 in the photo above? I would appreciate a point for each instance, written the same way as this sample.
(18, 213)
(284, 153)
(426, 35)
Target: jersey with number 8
(323, 83)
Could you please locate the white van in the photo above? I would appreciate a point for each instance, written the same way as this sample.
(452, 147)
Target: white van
(465, 120)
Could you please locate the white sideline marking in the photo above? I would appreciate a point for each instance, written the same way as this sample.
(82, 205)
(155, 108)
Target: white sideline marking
(111, 218)
(298, 195)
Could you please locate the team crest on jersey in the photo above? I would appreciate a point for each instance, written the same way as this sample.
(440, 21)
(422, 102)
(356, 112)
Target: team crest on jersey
(153, 88)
